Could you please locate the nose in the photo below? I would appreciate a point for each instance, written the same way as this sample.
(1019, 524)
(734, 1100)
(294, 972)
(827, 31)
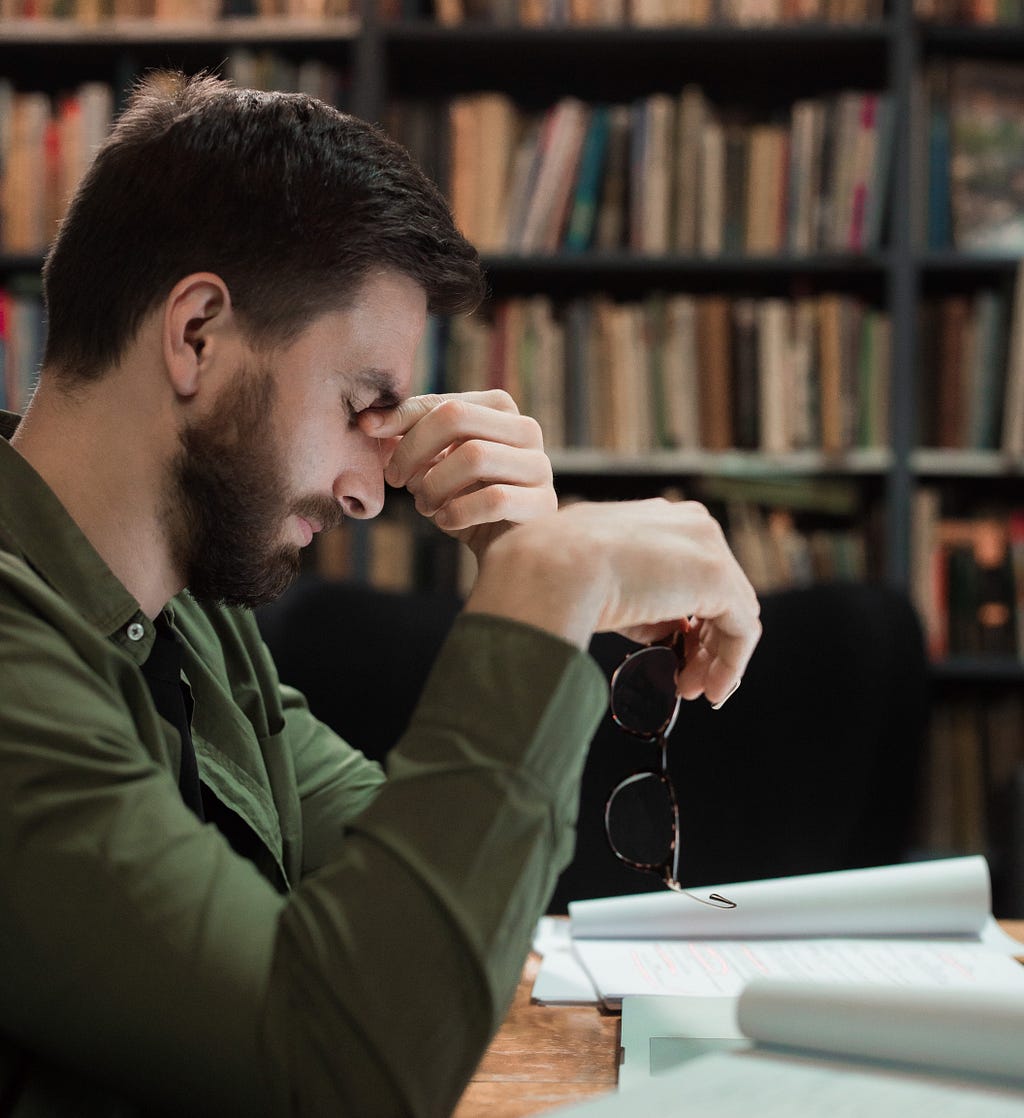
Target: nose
(359, 487)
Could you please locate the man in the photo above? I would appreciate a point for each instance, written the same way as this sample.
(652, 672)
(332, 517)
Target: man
(210, 903)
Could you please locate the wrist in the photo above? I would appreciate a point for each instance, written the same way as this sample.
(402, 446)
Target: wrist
(536, 575)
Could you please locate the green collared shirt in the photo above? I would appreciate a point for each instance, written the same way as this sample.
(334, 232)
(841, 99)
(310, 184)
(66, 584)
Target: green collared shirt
(362, 965)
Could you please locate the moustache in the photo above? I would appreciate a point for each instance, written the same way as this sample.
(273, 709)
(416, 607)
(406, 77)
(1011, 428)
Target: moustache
(323, 510)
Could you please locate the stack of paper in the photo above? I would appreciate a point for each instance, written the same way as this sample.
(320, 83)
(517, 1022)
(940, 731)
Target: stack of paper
(887, 993)
(926, 924)
(820, 1049)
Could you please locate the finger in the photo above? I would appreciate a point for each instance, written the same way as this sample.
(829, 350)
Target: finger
(401, 418)
(493, 504)
(475, 462)
(715, 666)
(457, 421)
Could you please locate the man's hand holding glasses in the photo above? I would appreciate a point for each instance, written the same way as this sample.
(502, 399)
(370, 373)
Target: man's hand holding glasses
(641, 817)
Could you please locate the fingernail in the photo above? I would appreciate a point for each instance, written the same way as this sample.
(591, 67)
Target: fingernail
(726, 697)
(372, 420)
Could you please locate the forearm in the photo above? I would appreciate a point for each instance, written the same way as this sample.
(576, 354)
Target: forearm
(452, 865)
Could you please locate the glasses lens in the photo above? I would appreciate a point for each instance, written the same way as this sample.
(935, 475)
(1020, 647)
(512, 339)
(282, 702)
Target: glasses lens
(641, 820)
(644, 690)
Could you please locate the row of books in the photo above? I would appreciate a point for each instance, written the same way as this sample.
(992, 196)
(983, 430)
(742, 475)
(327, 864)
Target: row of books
(776, 550)
(45, 149)
(683, 371)
(667, 173)
(91, 12)
(971, 775)
(400, 550)
(970, 12)
(636, 13)
(22, 337)
(972, 370)
(968, 579)
(795, 539)
(970, 156)
(47, 142)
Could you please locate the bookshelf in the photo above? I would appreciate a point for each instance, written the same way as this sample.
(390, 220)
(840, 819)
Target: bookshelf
(389, 60)
(390, 57)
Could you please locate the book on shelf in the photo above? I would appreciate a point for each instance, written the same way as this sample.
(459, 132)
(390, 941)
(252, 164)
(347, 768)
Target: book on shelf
(681, 371)
(89, 13)
(986, 120)
(399, 551)
(689, 123)
(681, 375)
(582, 223)
(711, 172)
(966, 574)
(649, 13)
(745, 382)
(611, 228)
(970, 12)
(21, 340)
(953, 805)
(971, 374)
(1013, 412)
(48, 141)
(791, 531)
(767, 173)
(971, 769)
(557, 156)
(670, 172)
(653, 132)
(271, 70)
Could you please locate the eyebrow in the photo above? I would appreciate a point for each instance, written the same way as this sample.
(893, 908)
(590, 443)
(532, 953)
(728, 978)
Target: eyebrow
(383, 384)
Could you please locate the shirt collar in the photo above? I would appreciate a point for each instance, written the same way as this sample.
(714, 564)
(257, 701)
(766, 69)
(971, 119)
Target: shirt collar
(36, 527)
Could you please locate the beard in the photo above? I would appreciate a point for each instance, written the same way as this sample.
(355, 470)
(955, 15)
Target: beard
(227, 500)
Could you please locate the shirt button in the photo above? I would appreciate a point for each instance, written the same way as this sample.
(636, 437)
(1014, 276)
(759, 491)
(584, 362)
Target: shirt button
(136, 631)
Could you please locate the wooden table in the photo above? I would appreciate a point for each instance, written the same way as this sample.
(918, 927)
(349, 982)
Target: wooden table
(543, 1056)
(547, 1056)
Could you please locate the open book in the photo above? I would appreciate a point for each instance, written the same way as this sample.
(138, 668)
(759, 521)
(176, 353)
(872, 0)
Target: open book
(819, 1049)
(925, 923)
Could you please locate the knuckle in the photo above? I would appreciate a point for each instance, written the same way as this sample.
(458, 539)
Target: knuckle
(545, 471)
(452, 410)
(533, 434)
(501, 400)
(474, 453)
(497, 500)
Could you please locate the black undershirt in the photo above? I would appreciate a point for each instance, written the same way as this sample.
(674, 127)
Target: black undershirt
(173, 702)
(162, 669)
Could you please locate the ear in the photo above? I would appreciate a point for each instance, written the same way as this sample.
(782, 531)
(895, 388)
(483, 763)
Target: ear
(198, 326)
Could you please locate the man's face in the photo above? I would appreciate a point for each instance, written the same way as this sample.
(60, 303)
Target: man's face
(279, 456)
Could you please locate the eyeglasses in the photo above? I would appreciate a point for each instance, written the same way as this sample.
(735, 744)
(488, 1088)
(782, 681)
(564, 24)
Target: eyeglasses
(641, 817)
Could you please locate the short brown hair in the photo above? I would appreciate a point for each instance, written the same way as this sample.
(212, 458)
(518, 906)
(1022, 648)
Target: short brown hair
(289, 201)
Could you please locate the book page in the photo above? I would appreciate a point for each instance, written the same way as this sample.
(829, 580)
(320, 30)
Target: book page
(968, 1029)
(947, 897)
(722, 968)
(772, 1085)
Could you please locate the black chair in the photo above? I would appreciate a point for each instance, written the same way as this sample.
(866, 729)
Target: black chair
(360, 656)
(813, 765)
